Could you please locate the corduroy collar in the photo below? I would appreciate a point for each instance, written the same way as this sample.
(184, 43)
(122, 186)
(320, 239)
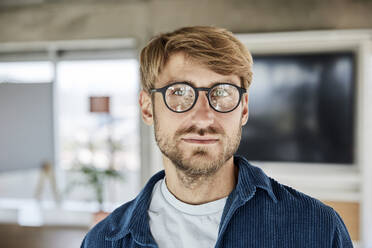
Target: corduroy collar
(135, 219)
(251, 177)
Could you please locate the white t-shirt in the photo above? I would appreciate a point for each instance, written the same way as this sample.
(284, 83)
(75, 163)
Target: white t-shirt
(174, 223)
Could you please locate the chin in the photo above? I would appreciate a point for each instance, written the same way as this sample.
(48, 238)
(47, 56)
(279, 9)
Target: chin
(204, 152)
(204, 158)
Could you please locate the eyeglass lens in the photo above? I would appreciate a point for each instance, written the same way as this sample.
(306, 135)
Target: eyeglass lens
(180, 97)
(222, 97)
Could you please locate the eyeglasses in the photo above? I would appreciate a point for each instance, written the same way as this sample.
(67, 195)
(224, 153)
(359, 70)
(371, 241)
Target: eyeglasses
(180, 97)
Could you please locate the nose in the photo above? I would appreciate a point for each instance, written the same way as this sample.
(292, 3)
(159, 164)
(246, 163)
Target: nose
(202, 112)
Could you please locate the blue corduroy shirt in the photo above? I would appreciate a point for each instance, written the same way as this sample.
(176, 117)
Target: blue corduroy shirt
(259, 212)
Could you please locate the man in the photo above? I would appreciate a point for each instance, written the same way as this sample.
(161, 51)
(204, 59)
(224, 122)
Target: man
(195, 83)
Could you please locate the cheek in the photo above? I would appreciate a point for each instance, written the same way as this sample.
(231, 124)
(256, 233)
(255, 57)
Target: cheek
(231, 120)
(166, 122)
(159, 108)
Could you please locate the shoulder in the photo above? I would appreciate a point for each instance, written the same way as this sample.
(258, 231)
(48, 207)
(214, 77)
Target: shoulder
(289, 196)
(297, 201)
(312, 212)
(290, 207)
(96, 237)
(286, 203)
(118, 223)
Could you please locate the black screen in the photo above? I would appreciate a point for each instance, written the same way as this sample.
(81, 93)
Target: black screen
(301, 109)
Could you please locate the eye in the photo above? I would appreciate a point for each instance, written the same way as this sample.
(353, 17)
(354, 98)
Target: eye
(176, 91)
(179, 91)
(220, 93)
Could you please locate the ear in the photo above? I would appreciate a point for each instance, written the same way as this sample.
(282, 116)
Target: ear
(146, 107)
(245, 111)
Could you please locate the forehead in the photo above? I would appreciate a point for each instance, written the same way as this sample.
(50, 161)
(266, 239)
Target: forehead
(180, 68)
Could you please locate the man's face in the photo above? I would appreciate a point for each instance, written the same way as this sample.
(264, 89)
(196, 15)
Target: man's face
(201, 140)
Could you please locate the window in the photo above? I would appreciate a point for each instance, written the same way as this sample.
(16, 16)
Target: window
(84, 136)
(26, 72)
(77, 135)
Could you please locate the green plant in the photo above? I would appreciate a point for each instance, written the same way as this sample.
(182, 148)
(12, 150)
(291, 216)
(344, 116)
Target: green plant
(95, 178)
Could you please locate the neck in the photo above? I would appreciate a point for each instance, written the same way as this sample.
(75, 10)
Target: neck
(204, 188)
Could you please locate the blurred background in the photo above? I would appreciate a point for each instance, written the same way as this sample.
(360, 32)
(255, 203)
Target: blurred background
(73, 147)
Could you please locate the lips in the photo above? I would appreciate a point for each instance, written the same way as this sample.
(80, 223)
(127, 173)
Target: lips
(200, 140)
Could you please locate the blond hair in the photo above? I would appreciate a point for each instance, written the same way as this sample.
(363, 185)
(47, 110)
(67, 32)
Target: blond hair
(216, 48)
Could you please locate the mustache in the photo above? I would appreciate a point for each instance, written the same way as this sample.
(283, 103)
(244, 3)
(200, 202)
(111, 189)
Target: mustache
(199, 131)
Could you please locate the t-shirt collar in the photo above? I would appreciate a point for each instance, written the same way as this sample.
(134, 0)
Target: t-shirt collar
(201, 209)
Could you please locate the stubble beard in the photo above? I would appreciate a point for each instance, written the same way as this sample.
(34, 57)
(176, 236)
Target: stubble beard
(202, 163)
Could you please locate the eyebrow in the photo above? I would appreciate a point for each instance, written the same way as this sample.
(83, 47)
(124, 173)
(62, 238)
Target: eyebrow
(194, 84)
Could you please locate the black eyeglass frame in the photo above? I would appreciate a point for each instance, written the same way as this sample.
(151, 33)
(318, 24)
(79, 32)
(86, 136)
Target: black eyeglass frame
(196, 90)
